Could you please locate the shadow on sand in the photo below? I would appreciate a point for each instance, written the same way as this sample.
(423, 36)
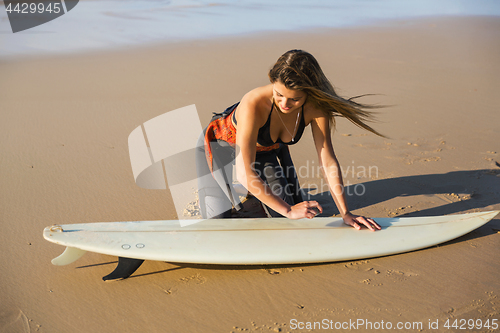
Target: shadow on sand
(481, 189)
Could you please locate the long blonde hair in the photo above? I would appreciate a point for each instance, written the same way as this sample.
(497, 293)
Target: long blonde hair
(299, 70)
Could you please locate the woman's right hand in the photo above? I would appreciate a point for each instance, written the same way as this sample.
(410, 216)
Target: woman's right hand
(305, 209)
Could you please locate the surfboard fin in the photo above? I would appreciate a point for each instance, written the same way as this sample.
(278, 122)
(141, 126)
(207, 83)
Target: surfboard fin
(125, 268)
(70, 255)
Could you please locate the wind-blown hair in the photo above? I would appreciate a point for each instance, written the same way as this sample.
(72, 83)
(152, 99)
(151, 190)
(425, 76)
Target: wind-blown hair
(299, 70)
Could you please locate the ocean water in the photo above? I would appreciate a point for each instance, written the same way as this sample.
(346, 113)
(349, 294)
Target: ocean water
(105, 24)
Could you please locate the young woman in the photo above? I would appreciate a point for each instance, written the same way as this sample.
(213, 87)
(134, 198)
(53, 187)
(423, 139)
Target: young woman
(256, 133)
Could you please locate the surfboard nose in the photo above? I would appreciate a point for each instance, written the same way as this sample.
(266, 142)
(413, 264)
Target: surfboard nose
(487, 216)
(49, 231)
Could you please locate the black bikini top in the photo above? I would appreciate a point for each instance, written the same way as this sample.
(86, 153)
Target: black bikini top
(264, 135)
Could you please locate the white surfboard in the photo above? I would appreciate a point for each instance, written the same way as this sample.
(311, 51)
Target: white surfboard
(258, 241)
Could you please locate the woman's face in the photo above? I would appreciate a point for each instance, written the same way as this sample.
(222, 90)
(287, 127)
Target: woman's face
(288, 100)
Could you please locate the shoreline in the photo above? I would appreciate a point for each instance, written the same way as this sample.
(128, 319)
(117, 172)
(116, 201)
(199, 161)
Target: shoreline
(380, 23)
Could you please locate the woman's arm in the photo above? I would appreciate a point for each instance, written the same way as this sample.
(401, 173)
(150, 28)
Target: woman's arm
(332, 173)
(249, 122)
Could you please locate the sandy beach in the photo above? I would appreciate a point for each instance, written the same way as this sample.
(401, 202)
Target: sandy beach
(64, 158)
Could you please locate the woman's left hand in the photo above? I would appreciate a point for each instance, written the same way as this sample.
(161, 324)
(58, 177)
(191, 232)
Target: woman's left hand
(357, 221)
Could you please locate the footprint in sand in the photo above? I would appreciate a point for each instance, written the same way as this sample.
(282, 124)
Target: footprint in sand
(398, 276)
(274, 327)
(400, 211)
(276, 271)
(197, 279)
(356, 264)
(14, 321)
(370, 282)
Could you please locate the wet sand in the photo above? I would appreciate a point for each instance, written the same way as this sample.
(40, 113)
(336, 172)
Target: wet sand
(63, 137)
